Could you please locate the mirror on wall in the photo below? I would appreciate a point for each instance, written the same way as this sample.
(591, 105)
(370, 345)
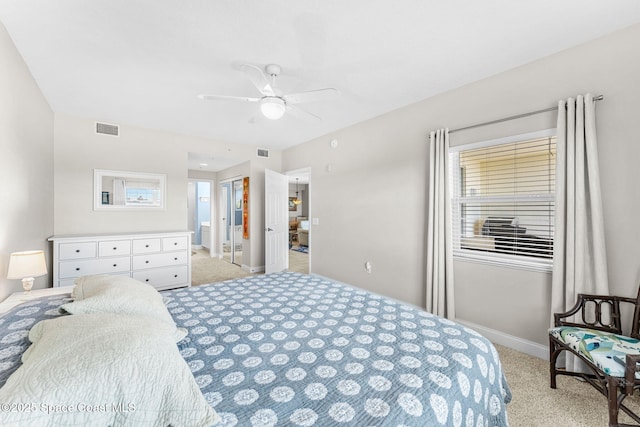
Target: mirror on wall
(115, 190)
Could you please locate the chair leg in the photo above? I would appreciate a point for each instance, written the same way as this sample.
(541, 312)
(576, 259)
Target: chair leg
(553, 356)
(612, 397)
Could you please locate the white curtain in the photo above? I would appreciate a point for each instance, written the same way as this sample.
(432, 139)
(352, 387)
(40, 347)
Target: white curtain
(580, 259)
(119, 192)
(439, 298)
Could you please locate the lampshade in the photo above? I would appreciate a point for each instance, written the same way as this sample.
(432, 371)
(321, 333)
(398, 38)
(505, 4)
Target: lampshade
(27, 264)
(272, 107)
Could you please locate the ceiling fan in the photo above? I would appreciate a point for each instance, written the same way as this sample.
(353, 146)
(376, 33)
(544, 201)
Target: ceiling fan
(273, 103)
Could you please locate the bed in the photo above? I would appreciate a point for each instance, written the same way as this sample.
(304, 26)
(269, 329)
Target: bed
(299, 350)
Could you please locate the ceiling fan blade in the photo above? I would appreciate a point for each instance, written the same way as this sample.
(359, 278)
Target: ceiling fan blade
(302, 114)
(312, 96)
(258, 78)
(227, 97)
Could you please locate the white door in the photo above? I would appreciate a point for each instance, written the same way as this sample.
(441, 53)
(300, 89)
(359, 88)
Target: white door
(276, 221)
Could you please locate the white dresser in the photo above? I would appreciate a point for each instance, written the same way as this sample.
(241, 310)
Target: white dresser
(160, 259)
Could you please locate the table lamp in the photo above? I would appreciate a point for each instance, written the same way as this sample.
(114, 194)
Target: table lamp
(27, 265)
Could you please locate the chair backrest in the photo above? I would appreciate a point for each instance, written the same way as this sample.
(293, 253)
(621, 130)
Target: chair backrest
(603, 313)
(635, 326)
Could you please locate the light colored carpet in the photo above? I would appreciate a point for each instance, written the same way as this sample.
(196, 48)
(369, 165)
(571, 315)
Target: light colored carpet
(573, 403)
(299, 262)
(205, 269)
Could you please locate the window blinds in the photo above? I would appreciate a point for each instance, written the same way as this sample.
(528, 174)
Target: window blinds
(503, 199)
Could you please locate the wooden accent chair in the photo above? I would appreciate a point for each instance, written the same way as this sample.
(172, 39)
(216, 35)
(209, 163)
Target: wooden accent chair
(595, 336)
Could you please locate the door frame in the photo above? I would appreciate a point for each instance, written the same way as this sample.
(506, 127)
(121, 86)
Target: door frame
(306, 170)
(212, 211)
(224, 196)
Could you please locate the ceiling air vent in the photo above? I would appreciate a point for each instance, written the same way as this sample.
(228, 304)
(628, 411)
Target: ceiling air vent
(106, 129)
(263, 152)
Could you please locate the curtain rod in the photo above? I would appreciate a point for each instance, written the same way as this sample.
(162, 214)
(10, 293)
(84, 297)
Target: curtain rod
(493, 122)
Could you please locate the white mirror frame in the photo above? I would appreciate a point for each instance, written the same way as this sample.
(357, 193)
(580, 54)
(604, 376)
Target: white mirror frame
(103, 198)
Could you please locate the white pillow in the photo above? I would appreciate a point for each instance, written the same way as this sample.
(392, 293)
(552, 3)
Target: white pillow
(86, 286)
(117, 294)
(104, 369)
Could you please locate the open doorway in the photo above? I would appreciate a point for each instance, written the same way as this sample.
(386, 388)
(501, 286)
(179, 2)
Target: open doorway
(199, 213)
(299, 220)
(231, 222)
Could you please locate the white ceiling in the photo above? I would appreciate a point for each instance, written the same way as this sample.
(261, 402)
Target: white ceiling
(142, 62)
(209, 163)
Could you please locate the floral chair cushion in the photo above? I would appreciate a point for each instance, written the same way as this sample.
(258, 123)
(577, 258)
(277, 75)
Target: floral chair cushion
(605, 350)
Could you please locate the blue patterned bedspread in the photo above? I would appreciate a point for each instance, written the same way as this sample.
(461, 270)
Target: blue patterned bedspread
(289, 349)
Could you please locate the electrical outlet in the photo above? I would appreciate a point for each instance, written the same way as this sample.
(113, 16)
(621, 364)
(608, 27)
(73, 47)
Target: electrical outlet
(367, 266)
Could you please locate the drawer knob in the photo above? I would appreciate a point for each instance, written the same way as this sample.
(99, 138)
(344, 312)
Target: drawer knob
(77, 251)
(175, 275)
(175, 259)
(115, 265)
(146, 262)
(77, 268)
(175, 243)
(146, 280)
(115, 248)
(146, 246)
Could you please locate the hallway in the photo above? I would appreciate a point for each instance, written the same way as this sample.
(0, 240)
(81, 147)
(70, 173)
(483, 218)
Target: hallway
(205, 269)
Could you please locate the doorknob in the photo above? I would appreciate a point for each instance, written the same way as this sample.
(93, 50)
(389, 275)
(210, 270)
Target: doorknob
(269, 229)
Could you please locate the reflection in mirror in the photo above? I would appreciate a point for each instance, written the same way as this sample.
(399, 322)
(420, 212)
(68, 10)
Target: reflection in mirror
(128, 190)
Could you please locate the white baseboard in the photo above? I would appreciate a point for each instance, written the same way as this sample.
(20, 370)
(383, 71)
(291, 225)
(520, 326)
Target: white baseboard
(524, 346)
(259, 269)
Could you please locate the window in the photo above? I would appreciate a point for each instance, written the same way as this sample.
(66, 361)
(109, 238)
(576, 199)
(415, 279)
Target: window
(502, 196)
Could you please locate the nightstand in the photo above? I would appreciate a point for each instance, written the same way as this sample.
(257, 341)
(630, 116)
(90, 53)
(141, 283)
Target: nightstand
(20, 297)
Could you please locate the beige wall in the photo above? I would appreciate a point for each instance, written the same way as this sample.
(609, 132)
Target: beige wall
(26, 165)
(79, 150)
(369, 192)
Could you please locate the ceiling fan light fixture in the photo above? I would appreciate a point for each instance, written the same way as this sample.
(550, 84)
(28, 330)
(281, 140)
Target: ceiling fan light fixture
(272, 107)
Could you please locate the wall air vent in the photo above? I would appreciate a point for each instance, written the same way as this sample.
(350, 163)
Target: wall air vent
(107, 129)
(263, 152)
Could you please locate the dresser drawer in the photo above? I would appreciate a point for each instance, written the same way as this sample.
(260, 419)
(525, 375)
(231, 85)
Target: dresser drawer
(77, 250)
(159, 260)
(174, 243)
(114, 248)
(94, 266)
(164, 277)
(162, 258)
(146, 246)
(70, 281)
